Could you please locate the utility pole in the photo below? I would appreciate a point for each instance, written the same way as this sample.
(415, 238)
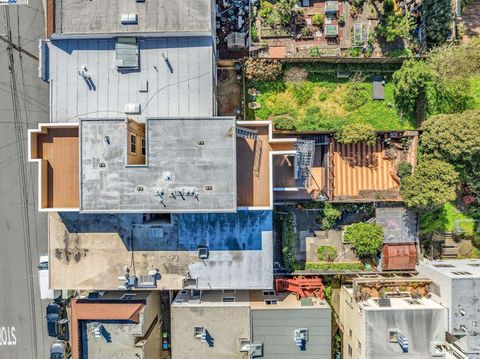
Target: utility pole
(8, 41)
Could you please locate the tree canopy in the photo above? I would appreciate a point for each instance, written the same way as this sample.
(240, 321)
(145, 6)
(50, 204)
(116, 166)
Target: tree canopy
(431, 185)
(412, 80)
(356, 133)
(438, 16)
(365, 238)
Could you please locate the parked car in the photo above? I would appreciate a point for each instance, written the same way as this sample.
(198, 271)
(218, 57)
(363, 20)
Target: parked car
(53, 317)
(60, 350)
(43, 279)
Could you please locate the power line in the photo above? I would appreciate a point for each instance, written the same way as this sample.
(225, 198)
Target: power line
(19, 130)
(16, 47)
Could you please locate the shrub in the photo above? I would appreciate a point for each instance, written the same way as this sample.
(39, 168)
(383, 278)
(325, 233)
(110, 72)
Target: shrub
(404, 169)
(318, 19)
(326, 253)
(335, 266)
(388, 6)
(395, 27)
(357, 133)
(330, 216)
(365, 238)
(431, 186)
(284, 123)
(266, 9)
(438, 16)
(306, 31)
(315, 51)
(288, 242)
(354, 52)
(262, 69)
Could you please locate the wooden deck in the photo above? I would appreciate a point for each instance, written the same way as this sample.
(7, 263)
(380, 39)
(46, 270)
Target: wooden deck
(59, 148)
(253, 178)
(361, 167)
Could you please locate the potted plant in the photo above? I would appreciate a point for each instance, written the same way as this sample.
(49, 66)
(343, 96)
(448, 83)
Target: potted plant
(306, 32)
(341, 20)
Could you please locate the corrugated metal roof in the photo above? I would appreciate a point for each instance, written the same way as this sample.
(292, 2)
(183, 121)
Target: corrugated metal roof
(399, 257)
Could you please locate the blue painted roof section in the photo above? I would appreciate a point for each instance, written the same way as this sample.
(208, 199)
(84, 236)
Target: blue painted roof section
(224, 231)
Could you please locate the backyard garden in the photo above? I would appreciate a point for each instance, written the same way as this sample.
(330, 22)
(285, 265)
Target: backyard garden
(325, 97)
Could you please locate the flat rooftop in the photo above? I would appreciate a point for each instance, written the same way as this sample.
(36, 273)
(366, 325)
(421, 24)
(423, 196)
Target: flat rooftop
(103, 16)
(179, 87)
(454, 268)
(89, 251)
(196, 155)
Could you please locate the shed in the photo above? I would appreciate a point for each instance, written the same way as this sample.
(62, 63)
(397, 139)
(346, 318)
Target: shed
(399, 256)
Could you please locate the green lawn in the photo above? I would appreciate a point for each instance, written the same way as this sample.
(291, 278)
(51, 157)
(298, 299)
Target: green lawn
(443, 220)
(325, 103)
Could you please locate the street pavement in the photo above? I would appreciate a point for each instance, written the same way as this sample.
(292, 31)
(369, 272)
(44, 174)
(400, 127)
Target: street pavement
(23, 231)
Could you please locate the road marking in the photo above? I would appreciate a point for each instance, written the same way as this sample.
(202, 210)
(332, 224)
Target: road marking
(7, 336)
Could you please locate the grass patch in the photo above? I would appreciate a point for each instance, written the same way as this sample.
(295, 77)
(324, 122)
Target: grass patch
(444, 219)
(324, 102)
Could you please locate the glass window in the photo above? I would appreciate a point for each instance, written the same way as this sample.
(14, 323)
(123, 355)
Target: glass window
(133, 144)
(143, 147)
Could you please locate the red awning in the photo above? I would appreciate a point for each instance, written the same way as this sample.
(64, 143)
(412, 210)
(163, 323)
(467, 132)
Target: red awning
(399, 256)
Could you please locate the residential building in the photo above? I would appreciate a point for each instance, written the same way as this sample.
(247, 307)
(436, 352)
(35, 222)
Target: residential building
(116, 325)
(456, 285)
(239, 324)
(391, 318)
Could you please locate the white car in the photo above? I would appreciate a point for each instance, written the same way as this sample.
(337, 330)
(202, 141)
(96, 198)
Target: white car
(45, 291)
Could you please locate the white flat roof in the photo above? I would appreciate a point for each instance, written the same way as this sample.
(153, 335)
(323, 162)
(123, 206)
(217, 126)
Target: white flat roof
(174, 79)
(454, 268)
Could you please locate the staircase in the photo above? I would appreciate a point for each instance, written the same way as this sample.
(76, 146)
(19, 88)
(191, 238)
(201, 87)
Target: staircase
(449, 247)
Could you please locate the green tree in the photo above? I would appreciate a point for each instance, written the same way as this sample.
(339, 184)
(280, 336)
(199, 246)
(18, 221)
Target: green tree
(431, 185)
(365, 238)
(396, 27)
(357, 133)
(404, 169)
(438, 15)
(454, 138)
(330, 215)
(413, 81)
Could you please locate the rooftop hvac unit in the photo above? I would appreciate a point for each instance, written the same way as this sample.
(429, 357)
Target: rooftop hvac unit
(147, 281)
(132, 108)
(129, 19)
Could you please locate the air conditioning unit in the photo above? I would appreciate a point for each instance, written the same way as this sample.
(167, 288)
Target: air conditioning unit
(147, 281)
(256, 350)
(132, 108)
(129, 19)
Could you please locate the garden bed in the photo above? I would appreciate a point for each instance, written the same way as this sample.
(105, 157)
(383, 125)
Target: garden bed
(322, 102)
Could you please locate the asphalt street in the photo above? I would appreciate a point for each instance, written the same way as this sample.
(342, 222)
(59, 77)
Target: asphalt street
(23, 231)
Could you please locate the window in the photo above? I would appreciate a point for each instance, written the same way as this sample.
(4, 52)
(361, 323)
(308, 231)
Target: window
(443, 265)
(271, 302)
(143, 147)
(461, 273)
(349, 332)
(474, 264)
(228, 291)
(133, 144)
(128, 296)
(349, 350)
(413, 301)
(267, 293)
(228, 299)
(359, 345)
(360, 310)
(392, 335)
(197, 332)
